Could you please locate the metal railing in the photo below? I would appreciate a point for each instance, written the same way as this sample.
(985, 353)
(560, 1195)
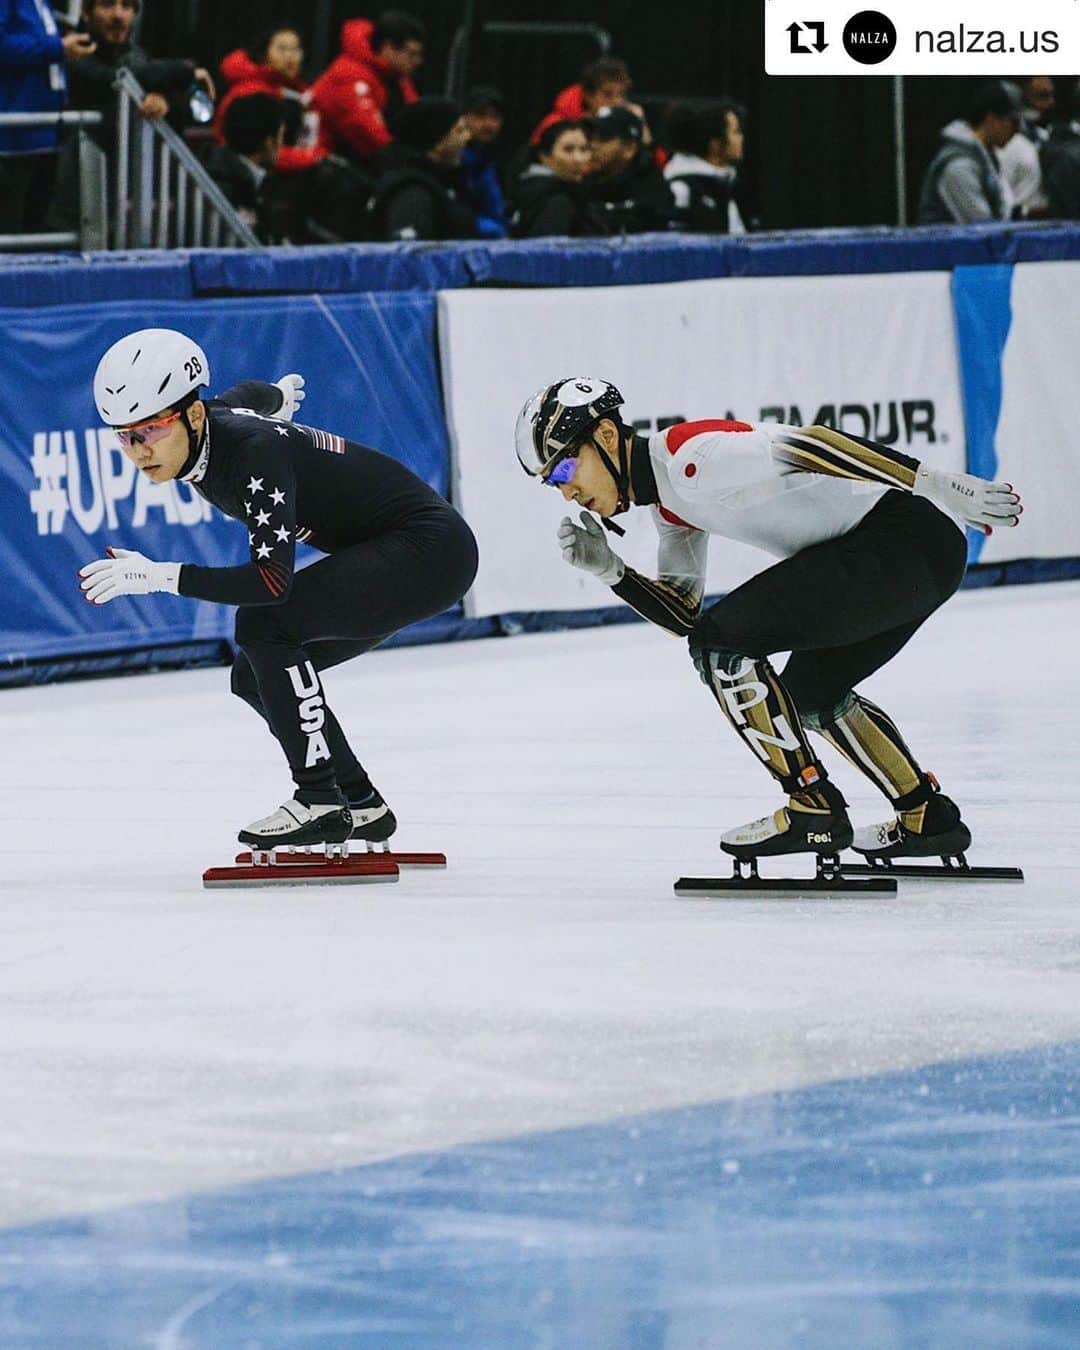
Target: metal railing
(164, 198)
(92, 232)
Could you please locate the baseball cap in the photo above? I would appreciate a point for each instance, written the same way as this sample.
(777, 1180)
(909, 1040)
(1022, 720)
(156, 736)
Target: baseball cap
(616, 123)
(483, 96)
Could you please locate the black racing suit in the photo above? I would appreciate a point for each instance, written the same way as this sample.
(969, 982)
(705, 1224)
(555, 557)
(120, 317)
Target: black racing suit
(397, 553)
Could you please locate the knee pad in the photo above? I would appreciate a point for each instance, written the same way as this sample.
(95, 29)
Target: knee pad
(819, 719)
(712, 658)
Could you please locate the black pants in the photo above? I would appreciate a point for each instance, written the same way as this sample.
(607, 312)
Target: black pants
(845, 607)
(340, 607)
(26, 187)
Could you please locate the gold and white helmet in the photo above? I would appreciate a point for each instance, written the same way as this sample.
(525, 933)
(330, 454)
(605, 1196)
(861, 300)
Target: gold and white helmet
(558, 417)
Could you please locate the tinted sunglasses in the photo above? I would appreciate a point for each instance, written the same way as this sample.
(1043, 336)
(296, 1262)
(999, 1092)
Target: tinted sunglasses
(146, 433)
(561, 473)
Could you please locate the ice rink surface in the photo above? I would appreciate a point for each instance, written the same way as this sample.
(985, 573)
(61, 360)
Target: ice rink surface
(534, 1100)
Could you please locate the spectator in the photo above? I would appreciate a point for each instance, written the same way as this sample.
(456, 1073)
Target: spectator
(627, 191)
(549, 197)
(414, 195)
(324, 203)
(1019, 160)
(243, 166)
(33, 78)
(604, 84)
(1061, 165)
(707, 146)
(369, 83)
(273, 65)
(110, 23)
(962, 183)
(481, 187)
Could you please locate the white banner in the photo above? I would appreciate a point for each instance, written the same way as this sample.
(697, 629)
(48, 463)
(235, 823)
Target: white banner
(1037, 442)
(874, 355)
(922, 37)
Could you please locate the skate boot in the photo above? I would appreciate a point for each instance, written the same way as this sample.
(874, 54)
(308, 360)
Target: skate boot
(928, 828)
(299, 825)
(373, 821)
(823, 828)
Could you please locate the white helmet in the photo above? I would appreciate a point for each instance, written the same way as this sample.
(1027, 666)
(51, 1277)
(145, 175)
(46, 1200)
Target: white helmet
(146, 372)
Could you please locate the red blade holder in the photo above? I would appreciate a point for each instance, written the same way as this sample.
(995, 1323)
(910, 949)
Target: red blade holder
(303, 869)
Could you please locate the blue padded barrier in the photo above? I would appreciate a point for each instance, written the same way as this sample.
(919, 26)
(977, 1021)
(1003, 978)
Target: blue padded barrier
(326, 268)
(37, 280)
(47, 279)
(633, 260)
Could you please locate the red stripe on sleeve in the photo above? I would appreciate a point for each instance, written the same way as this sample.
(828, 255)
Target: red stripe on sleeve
(673, 519)
(274, 579)
(681, 432)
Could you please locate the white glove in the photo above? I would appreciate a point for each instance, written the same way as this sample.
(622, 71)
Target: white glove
(292, 389)
(125, 572)
(979, 503)
(588, 549)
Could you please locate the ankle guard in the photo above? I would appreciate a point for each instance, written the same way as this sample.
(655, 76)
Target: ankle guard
(918, 796)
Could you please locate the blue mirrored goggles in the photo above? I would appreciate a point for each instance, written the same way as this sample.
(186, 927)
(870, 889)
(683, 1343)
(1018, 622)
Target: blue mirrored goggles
(561, 473)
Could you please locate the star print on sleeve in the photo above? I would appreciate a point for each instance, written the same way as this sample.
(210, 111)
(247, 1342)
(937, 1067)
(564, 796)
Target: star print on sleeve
(272, 540)
(256, 484)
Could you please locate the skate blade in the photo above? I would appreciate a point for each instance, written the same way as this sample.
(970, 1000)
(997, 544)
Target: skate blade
(312, 871)
(949, 870)
(780, 888)
(283, 857)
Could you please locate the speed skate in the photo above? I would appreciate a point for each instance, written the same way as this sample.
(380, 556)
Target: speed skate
(950, 868)
(832, 878)
(330, 865)
(835, 876)
(373, 852)
(838, 877)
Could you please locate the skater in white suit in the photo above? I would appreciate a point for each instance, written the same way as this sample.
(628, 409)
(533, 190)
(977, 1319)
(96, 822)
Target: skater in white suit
(869, 543)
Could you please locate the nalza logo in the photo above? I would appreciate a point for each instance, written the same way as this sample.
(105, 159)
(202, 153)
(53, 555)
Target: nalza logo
(869, 37)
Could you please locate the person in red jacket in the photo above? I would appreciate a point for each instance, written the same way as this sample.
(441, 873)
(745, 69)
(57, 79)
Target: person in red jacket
(369, 82)
(272, 65)
(604, 84)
